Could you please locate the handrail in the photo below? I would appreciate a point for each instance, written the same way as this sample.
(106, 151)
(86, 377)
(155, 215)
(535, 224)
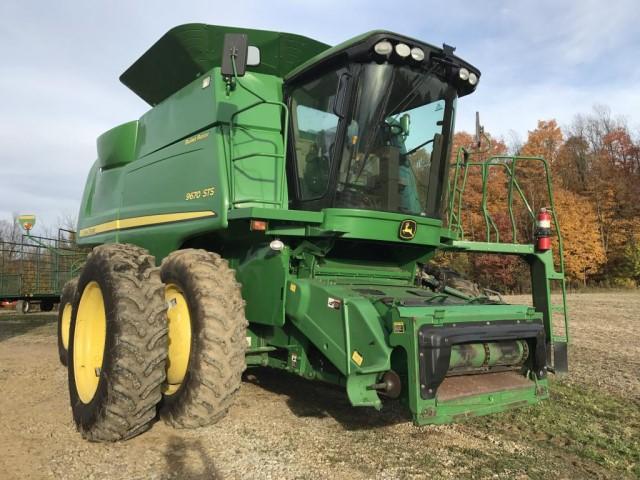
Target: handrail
(285, 132)
(509, 163)
(457, 187)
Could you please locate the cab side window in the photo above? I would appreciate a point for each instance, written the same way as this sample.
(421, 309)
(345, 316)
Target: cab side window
(314, 127)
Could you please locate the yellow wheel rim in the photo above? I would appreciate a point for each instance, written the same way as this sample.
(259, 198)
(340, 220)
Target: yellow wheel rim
(89, 341)
(179, 325)
(64, 325)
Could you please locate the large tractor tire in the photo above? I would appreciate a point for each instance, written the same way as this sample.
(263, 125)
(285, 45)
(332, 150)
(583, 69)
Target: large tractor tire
(65, 308)
(207, 338)
(117, 343)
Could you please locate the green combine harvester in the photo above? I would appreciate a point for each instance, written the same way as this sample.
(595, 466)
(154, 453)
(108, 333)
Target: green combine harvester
(293, 195)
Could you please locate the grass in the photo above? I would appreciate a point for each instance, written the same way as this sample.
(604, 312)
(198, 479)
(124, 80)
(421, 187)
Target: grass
(578, 429)
(579, 433)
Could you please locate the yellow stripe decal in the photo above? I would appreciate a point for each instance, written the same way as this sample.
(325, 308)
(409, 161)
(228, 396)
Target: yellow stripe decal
(144, 221)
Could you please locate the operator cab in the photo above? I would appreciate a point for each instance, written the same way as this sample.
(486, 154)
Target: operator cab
(371, 125)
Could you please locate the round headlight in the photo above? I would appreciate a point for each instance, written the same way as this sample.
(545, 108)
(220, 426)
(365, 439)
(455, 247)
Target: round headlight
(403, 50)
(473, 79)
(463, 74)
(417, 54)
(383, 48)
(276, 245)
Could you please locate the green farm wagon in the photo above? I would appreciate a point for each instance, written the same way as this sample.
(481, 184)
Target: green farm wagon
(34, 269)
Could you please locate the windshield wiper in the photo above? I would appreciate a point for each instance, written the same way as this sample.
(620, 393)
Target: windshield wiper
(413, 92)
(413, 150)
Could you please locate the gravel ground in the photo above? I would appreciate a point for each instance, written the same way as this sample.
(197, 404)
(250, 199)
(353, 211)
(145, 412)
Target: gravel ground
(285, 427)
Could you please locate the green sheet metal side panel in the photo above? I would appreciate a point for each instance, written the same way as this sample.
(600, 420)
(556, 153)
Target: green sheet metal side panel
(187, 51)
(345, 223)
(186, 176)
(195, 108)
(263, 275)
(104, 201)
(189, 110)
(258, 162)
(118, 146)
(344, 326)
(183, 163)
(383, 226)
(189, 176)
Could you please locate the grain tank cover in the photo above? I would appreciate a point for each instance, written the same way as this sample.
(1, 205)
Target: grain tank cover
(187, 51)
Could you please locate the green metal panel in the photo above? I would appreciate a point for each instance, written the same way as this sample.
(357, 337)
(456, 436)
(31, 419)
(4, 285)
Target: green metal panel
(188, 51)
(287, 216)
(161, 240)
(477, 405)
(118, 146)
(346, 223)
(263, 276)
(194, 108)
(158, 184)
(341, 324)
(187, 112)
(258, 164)
(381, 226)
(104, 200)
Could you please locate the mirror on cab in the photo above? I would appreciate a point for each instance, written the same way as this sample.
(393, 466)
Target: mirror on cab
(234, 51)
(405, 124)
(236, 47)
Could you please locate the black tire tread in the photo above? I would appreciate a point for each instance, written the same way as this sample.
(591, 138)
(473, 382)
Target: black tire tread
(139, 352)
(215, 376)
(67, 295)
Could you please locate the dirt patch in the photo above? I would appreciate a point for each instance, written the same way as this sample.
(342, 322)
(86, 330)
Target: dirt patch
(285, 427)
(605, 340)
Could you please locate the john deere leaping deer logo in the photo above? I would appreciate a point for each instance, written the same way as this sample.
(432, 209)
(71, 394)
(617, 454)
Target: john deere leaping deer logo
(408, 229)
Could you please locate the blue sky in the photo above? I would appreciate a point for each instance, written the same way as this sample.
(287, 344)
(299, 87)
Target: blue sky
(60, 63)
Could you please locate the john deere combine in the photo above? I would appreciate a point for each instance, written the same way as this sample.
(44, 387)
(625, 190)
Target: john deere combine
(292, 194)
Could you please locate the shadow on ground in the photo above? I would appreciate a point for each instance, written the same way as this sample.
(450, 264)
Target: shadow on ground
(187, 459)
(316, 399)
(13, 325)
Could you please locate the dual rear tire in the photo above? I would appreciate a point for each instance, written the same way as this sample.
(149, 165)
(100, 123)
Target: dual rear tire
(117, 344)
(65, 307)
(144, 339)
(203, 382)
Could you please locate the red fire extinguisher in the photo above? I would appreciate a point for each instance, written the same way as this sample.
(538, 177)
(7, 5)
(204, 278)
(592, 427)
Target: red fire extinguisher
(543, 230)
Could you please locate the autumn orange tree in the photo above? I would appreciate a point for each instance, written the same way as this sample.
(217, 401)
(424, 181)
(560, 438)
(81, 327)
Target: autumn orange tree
(583, 252)
(595, 162)
(493, 271)
(607, 163)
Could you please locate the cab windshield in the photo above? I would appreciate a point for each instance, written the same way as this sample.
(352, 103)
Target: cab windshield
(387, 153)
